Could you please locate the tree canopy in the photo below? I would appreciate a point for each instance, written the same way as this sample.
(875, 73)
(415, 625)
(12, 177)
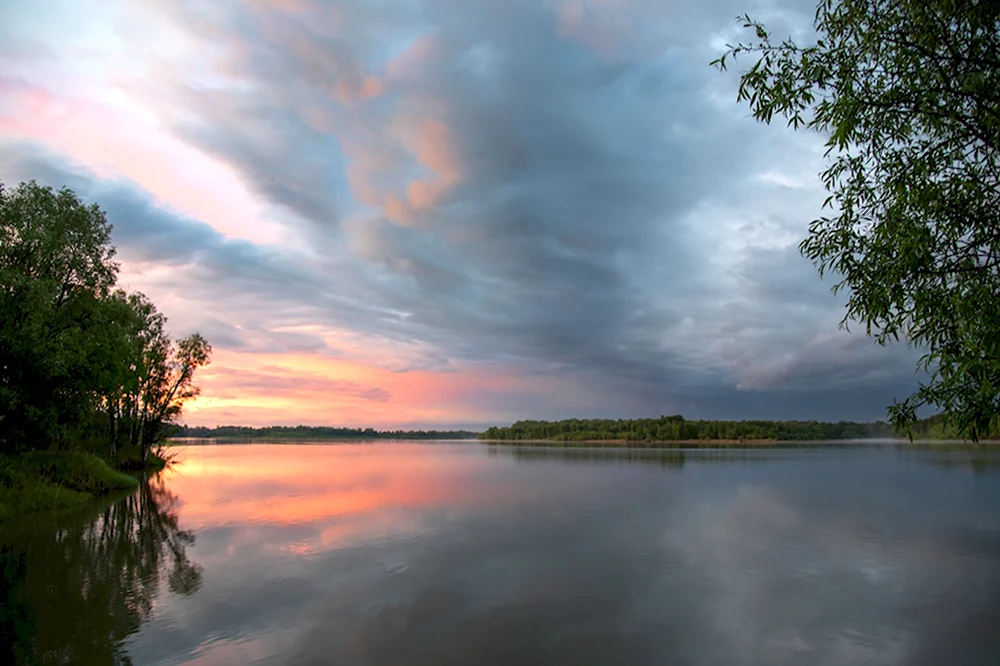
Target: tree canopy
(81, 361)
(907, 94)
(677, 428)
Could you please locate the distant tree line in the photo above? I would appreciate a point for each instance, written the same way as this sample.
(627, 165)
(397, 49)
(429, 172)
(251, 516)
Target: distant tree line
(677, 428)
(941, 427)
(315, 432)
(83, 363)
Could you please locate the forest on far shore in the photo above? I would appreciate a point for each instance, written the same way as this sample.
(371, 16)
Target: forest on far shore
(677, 428)
(314, 432)
(664, 428)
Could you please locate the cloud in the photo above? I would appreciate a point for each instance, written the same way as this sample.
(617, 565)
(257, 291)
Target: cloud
(564, 189)
(235, 383)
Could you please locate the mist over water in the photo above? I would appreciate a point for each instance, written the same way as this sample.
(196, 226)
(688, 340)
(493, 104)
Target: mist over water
(458, 553)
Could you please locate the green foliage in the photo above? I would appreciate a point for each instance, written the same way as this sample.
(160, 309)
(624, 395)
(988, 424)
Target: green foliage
(676, 429)
(907, 94)
(314, 432)
(130, 460)
(144, 394)
(51, 480)
(20, 495)
(55, 267)
(82, 364)
(939, 428)
(76, 470)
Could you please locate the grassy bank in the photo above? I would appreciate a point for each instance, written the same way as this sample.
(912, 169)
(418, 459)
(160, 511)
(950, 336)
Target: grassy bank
(54, 480)
(134, 464)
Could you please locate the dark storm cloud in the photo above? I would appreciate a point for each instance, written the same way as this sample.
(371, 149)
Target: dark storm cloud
(783, 287)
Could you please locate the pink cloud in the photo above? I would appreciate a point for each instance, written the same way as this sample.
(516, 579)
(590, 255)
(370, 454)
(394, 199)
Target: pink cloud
(385, 178)
(125, 140)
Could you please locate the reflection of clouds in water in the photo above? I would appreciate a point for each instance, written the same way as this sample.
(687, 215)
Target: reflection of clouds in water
(603, 563)
(792, 586)
(776, 588)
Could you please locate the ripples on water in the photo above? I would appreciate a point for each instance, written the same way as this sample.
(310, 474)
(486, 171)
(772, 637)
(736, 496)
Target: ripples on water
(437, 554)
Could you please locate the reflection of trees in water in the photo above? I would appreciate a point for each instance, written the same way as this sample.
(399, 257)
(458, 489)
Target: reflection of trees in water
(671, 458)
(75, 587)
(978, 461)
(986, 459)
(621, 455)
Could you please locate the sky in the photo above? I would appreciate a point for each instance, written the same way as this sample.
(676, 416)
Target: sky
(447, 213)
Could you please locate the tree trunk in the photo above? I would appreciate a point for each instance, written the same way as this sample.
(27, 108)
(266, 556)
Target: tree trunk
(112, 428)
(141, 441)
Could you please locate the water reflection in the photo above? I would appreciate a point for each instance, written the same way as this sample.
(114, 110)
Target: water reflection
(462, 553)
(76, 586)
(978, 461)
(665, 458)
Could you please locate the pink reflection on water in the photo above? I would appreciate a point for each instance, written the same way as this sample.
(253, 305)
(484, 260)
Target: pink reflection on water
(337, 490)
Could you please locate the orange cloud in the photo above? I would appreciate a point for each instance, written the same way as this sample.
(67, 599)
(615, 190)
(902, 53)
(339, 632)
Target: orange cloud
(376, 175)
(396, 209)
(435, 150)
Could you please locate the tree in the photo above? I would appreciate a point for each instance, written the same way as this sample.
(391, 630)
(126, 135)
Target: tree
(80, 361)
(56, 266)
(167, 382)
(907, 93)
(147, 377)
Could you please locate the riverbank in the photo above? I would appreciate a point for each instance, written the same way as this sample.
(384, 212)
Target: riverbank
(42, 480)
(993, 444)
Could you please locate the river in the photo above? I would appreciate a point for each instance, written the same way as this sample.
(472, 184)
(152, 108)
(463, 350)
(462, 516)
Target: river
(433, 554)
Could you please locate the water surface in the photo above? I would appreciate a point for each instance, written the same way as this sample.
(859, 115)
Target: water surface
(458, 553)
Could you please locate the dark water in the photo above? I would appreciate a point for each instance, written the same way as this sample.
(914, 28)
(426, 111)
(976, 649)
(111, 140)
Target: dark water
(440, 554)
